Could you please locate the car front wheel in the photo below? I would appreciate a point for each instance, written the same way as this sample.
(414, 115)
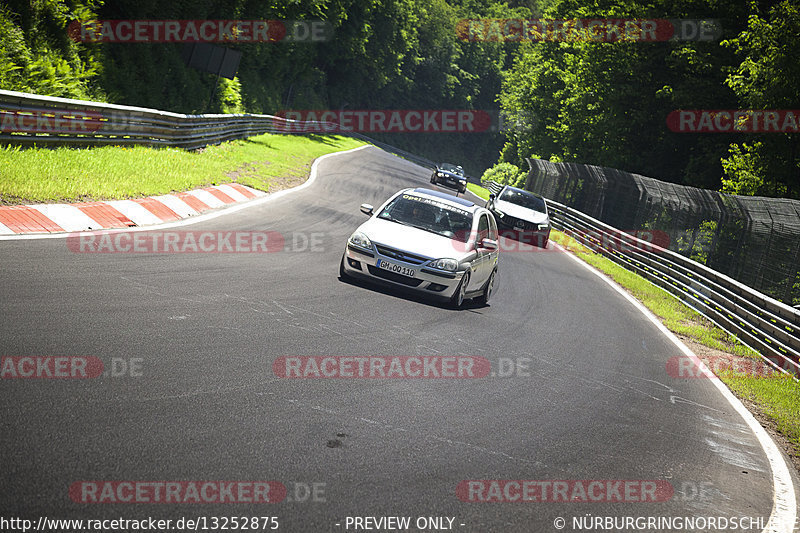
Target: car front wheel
(458, 297)
(483, 299)
(544, 239)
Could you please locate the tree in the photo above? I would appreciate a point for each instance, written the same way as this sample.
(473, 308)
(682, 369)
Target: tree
(37, 55)
(767, 78)
(605, 103)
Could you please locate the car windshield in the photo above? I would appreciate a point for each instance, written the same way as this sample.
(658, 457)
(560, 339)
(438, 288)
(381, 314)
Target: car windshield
(524, 199)
(429, 215)
(451, 168)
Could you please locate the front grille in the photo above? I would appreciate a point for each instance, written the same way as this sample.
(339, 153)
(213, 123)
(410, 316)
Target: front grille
(393, 276)
(401, 255)
(511, 222)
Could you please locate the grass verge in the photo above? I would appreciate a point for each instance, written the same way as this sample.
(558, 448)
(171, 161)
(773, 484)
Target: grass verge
(479, 191)
(265, 162)
(773, 399)
(778, 398)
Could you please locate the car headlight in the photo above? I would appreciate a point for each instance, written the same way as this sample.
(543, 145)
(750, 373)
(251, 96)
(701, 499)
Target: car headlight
(440, 174)
(499, 213)
(360, 240)
(544, 226)
(445, 264)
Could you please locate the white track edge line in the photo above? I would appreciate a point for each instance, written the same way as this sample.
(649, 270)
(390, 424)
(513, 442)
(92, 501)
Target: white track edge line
(193, 220)
(784, 505)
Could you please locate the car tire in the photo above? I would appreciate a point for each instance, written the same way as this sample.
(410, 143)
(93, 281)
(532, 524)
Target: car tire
(543, 240)
(433, 179)
(483, 299)
(457, 300)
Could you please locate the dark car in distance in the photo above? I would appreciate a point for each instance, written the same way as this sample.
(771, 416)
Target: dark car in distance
(450, 176)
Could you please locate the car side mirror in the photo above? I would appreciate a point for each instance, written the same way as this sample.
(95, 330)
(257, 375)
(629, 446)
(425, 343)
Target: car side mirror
(489, 244)
(366, 209)
(492, 196)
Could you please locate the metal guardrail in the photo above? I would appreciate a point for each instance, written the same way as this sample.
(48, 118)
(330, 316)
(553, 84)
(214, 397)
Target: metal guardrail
(764, 324)
(30, 119)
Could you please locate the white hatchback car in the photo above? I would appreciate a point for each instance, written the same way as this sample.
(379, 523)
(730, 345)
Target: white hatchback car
(429, 242)
(521, 215)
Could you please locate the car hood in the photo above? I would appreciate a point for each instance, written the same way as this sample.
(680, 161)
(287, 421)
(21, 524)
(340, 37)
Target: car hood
(517, 211)
(413, 240)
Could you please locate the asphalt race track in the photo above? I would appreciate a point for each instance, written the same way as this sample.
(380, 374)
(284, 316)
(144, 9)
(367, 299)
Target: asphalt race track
(590, 397)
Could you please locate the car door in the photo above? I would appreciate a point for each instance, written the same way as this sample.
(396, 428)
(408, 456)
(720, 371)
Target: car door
(483, 259)
(494, 255)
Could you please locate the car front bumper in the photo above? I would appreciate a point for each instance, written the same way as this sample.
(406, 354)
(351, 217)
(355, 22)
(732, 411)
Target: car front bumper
(451, 182)
(525, 236)
(520, 230)
(362, 264)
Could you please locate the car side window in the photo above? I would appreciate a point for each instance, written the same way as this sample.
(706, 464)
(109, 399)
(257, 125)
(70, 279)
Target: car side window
(483, 228)
(492, 229)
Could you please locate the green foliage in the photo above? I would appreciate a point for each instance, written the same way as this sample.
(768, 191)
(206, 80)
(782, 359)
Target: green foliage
(384, 54)
(767, 78)
(594, 102)
(703, 241)
(605, 103)
(37, 56)
(505, 174)
(743, 169)
(230, 96)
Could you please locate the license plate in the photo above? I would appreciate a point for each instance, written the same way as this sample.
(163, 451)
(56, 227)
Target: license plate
(397, 269)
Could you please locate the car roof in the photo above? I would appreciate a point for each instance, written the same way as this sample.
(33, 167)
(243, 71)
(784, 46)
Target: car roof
(459, 202)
